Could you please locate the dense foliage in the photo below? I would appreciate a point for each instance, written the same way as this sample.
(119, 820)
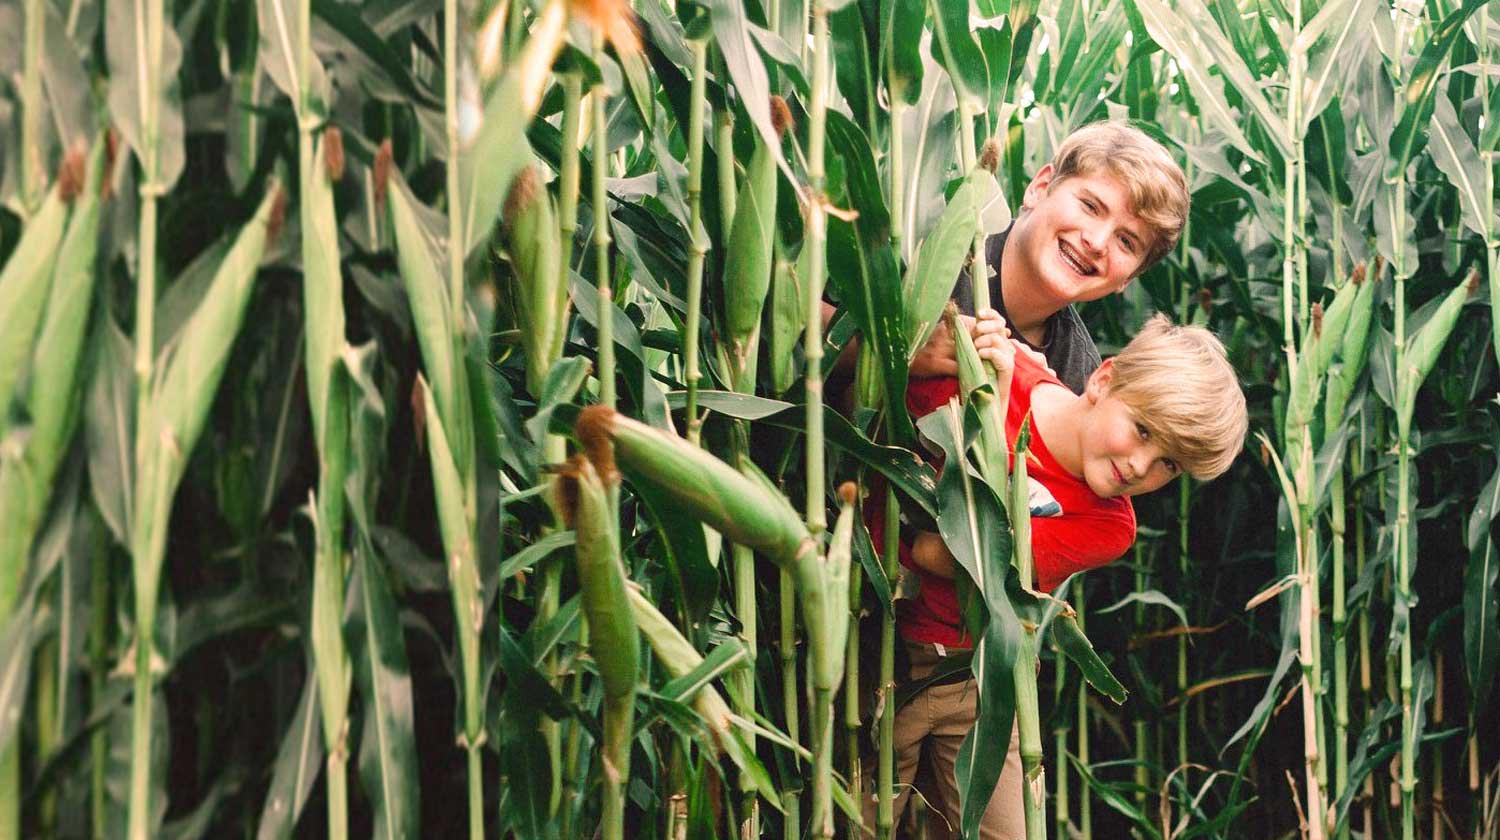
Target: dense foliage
(329, 330)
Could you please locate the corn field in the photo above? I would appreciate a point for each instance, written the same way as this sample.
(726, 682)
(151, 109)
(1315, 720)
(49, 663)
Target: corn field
(420, 418)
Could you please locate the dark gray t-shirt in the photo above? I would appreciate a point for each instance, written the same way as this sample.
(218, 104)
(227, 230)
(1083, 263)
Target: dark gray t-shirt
(1066, 343)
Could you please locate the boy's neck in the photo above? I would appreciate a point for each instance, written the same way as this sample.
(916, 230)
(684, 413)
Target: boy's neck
(1026, 310)
(1057, 414)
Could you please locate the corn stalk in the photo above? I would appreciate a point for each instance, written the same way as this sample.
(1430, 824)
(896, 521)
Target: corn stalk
(179, 395)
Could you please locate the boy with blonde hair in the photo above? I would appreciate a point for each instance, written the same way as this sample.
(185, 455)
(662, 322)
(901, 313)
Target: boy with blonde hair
(1169, 403)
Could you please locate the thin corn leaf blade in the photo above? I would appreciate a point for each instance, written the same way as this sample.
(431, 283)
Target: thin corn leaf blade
(109, 431)
(1332, 61)
(692, 572)
(388, 751)
(132, 62)
(853, 64)
(976, 529)
(751, 83)
(299, 760)
(1165, 28)
(1408, 137)
(876, 300)
(933, 274)
(901, 57)
(1456, 157)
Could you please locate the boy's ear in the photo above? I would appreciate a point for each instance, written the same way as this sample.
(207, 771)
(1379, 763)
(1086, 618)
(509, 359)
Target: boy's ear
(1098, 385)
(1037, 189)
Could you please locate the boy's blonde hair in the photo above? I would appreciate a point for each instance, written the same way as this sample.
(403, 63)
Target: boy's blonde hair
(1181, 387)
(1157, 187)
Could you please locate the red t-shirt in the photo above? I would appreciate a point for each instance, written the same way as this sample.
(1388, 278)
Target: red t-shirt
(1071, 528)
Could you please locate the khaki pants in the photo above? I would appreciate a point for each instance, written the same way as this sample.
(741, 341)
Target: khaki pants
(936, 722)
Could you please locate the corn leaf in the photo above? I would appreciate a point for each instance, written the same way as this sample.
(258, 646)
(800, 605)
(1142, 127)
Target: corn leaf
(930, 280)
(1408, 137)
(131, 63)
(1456, 157)
(109, 429)
(751, 83)
(901, 58)
(388, 751)
(956, 50)
(1481, 600)
(299, 760)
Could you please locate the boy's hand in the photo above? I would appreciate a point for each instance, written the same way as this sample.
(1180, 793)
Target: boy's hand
(992, 338)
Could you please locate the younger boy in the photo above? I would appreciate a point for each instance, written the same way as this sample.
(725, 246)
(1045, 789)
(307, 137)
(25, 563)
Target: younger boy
(1168, 403)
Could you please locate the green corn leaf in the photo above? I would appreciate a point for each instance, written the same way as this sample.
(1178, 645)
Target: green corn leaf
(1481, 612)
(280, 27)
(426, 292)
(1459, 161)
(956, 50)
(875, 300)
(1409, 135)
(1075, 645)
(901, 58)
(1165, 26)
(299, 760)
(853, 64)
(1335, 41)
(130, 64)
(24, 285)
(731, 31)
(683, 542)
(930, 280)
(109, 428)
(678, 656)
(388, 750)
(456, 523)
(827, 614)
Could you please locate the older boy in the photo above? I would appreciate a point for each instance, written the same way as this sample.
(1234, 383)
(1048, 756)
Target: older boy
(1169, 403)
(1110, 205)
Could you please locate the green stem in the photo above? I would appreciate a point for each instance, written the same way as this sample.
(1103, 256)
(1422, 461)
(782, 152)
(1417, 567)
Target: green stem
(1340, 647)
(853, 769)
(33, 177)
(601, 236)
(886, 778)
(99, 606)
(140, 735)
(1403, 529)
(700, 242)
(792, 796)
(822, 741)
(1063, 807)
(724, 149)
(1085, 804)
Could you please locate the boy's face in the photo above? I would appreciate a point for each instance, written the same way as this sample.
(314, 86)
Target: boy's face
(1120, 456)
(1079, 238)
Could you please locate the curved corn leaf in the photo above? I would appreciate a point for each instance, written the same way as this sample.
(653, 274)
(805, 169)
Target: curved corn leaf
(956, 50)
(109, 427)
(1409, 135)
(1454, 154)
(1332, 62)
(929, 282)
(751, 83)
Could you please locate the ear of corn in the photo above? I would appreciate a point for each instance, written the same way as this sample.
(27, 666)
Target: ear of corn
(23, 292)
(613, 638)
(29, 463)
(1424, 346)
(930, 278)
(788, 316)
(541, 293)
(747, 264)
(743, 509)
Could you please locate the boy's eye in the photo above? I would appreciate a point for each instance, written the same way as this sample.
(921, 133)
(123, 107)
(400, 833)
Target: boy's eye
(1172, 466)
(1128, 243)
(1088, 204)
(1141, 431)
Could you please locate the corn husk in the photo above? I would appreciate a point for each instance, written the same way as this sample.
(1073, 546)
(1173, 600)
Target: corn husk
(23, 292)
(541, 295)
(747, 265)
